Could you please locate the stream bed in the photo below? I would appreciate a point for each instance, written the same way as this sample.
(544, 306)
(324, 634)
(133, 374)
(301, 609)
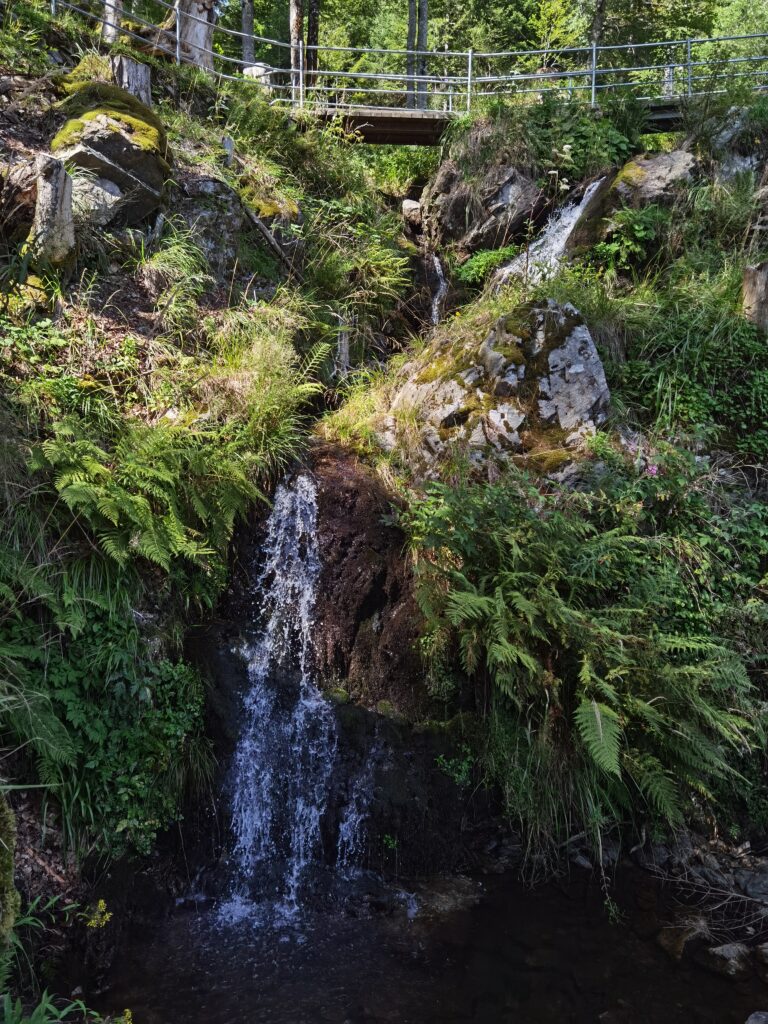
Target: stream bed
(508, 955)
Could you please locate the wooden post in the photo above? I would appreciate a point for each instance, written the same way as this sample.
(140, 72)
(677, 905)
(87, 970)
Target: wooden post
(469, 80)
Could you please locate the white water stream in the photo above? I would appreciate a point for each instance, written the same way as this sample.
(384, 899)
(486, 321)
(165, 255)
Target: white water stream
(283, 773)
(543, 257)
(438, 296)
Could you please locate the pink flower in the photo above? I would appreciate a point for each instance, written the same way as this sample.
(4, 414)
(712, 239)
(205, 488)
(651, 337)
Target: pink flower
(652, 470)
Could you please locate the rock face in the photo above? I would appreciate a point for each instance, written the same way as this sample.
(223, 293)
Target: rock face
(367, 618)
(115, 138)
(755, 295)
(52, 237)
(534, 386)
(733, 960)
(482, 215)
(214, 214)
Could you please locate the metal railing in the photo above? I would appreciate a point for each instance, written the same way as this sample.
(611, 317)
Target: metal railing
(450, 81)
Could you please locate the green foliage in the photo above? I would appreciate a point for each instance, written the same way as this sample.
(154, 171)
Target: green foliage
(630, 235)
(480, 265)
(604, 621)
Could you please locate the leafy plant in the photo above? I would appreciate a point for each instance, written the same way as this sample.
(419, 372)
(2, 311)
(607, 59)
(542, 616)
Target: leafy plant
(477, 268)
(600, 621)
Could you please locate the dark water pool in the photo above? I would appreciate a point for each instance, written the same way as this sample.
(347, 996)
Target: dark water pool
(511, 956)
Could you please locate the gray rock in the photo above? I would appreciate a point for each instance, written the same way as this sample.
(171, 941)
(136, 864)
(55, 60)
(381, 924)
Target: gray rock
(534, 383)
(112, 136)
(761, 1017)
(215, 218)
(575, 393)
(732, 960)
(479, 215)
(653, 179)
(412, 215)
(52, 236)
(96, 201)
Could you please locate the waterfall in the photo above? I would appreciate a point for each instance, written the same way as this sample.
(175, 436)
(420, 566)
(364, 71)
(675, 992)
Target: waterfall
(438, 297)
(284, 760)
(543, 257)
(351, 839)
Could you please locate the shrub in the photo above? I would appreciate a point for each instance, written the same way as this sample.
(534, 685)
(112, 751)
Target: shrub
(599, 625)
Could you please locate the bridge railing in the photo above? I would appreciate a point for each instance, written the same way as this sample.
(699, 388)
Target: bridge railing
(340, 77)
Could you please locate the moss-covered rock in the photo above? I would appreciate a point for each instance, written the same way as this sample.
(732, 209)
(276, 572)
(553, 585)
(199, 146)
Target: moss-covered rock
(115, 137)
(531, 390)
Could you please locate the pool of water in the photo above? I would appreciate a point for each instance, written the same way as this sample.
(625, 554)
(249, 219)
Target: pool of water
(462, 952)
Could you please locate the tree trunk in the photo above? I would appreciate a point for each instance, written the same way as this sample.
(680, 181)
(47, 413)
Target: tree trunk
(110, 30)
(313, 37)
(132, 76)
(296, 25)
(421, 44)
(598, 23)
(197, 19)
(410, 59)
(247, 28)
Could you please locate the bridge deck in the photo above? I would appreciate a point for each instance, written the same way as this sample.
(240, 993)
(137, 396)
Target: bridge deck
(391, 126)
(395, 126)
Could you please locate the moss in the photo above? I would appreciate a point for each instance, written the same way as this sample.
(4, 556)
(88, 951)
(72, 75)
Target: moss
(9, 897)
(89, 99)
(338, 695)
(632, 174)
(93, 67)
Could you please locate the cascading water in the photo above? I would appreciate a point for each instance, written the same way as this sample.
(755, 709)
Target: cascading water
(542, 259)
(284, 761)
(349, 847)
(438, 297)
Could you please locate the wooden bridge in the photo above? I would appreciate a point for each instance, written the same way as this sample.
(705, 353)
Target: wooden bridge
(406, 97)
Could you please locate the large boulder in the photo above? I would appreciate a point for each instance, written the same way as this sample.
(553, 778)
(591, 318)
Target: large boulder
(652, 179)
(214, 215)
(110, 136)
(478, 214)
(531, 389)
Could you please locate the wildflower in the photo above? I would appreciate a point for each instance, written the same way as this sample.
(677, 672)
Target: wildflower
(652, 470)
(99, 916)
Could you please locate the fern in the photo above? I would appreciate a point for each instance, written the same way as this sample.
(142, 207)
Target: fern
(601, 734)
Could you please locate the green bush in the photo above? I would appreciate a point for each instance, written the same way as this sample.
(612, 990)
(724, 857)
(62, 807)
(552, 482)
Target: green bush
(601, 626)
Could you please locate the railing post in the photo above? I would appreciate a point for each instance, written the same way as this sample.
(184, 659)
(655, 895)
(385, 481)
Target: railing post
(688, 66)
(177, 8)
(594, 72)
(469, 80)
(53, 8)
(301, 73)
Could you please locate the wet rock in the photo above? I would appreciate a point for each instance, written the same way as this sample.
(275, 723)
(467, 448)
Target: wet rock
(732, 960)
(367, 617)
(653, 179)
(52, 237)
(754, 295)
(111, 135)
(761, 1017)
(533, 384)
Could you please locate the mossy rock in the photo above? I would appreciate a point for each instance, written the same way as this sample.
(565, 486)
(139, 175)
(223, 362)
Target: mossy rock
(89, 101)
(116, 137)
(9, 897)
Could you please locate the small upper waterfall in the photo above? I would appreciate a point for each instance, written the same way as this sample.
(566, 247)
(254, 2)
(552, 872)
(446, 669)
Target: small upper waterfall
(285, 757)
(438, 296)
(543, 257)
